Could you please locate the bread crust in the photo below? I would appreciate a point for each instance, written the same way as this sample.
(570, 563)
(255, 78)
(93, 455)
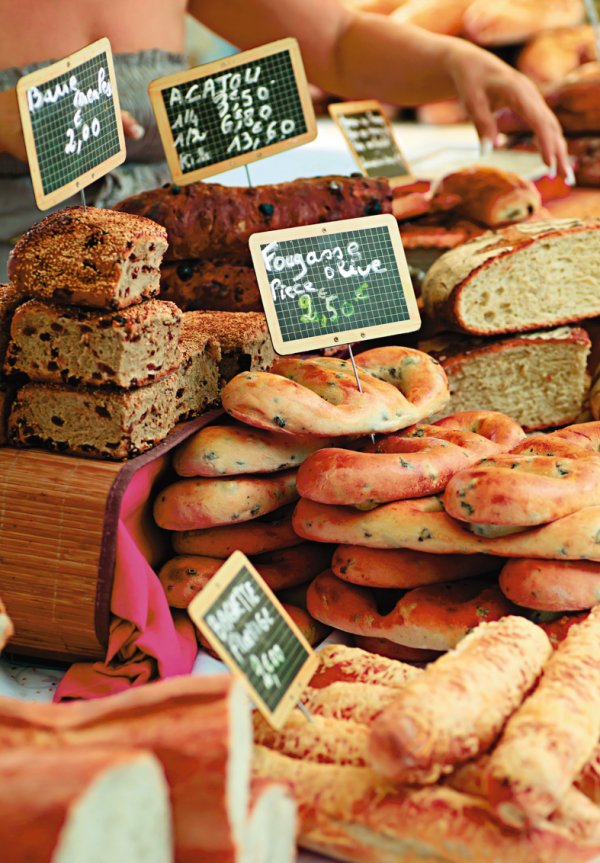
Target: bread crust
(490, 196)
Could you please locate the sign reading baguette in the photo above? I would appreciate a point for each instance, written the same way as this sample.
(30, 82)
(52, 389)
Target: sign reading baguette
(370, 136)
(335, 283)
(71, 123)
(225, 114)
(253, 634)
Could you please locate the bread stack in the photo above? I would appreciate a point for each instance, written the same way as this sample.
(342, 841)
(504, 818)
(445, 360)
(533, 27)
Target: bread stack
(9, 300)
(208, 264)
(420, 567)
(509, 293)
(98, 353)
(160, 773)
(489, 754)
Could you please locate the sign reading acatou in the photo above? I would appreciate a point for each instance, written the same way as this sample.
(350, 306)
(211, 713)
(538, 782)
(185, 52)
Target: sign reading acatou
(334, 283)
(225, 114)
(71, 123)
(251, 631)
(370, 136)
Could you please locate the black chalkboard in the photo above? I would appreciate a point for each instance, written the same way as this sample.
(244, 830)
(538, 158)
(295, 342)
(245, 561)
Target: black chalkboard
(71, 123)
(225, 114)
(330, 284)
(252, 633)
(371, 138)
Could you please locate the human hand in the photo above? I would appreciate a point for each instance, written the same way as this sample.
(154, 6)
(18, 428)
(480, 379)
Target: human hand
(485, 84)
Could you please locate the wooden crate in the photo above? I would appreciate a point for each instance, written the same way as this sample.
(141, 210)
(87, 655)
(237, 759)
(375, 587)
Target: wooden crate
(59, 518)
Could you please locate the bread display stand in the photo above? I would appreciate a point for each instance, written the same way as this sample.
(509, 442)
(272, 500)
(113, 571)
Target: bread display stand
(79, 551)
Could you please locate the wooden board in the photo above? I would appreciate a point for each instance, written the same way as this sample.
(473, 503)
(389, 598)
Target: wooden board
(71, 123)
(331, 284)
(370, 137)
(234, 111)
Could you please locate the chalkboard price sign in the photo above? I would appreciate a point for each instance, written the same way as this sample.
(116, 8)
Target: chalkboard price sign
(330, 284)
(225, 114)
(71, 123)
(370, 136)
(253, 634)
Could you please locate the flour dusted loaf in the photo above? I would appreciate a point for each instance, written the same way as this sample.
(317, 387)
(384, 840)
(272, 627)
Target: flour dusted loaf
(210, 285)
(243, 338)
(89, 257)
(113, 424)
(198, 374)
(207, 220)
(524, 277)
(538, 379)
(71, 345)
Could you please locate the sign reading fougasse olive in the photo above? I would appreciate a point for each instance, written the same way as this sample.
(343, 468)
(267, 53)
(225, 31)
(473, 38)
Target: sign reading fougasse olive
(252, 633)
(234, 111)
(331, 284)
(370, 137)
(71, 123)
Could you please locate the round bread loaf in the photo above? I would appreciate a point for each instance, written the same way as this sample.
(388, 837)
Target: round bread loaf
(403, 568)
(220, 450)
(433, 618)
(551, 585)
(319, 396)
(399, 652)
(250, 537)
(194, 503)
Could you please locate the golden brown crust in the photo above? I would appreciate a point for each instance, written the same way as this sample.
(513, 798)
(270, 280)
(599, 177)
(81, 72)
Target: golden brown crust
(490, 196)
(339, 663)
(547, 742)
(551, 585)
(457, 707)
(254, 537)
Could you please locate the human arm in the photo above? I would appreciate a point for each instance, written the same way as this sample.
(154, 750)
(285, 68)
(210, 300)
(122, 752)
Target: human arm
(354, 54)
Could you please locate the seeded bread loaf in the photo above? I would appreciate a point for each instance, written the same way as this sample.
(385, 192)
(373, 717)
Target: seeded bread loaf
(9, 300)
(89, 257)
(524, 277)
(212, 285)
(242, 336)
(198, 375)
(67, 344)
(207, 220)
(113, 424)
(538, 379)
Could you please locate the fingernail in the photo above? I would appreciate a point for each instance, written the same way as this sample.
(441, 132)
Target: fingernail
(570, 176)
(137, 131)
(486, 146)
(552, 169)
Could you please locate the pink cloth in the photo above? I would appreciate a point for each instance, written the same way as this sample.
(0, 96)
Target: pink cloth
(146, 639)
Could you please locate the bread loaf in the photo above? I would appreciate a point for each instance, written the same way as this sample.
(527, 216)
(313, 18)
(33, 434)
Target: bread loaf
(547, 742)
(251, 537)
(551, 585)
(505, 22)
(95, 804)
(514, 280)
(198, 728)
(89, 257)
(189, 504)
(324, 739)
(65, 344)
(198, 376)
(207, 220)
(10, 298)
(243, 338)
(494, 375)
(210, 285)
(489, 195)
(455, 710)
(110, 423)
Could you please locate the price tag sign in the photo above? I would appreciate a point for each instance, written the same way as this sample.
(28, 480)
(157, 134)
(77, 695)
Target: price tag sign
(71, 123)
(370, 136)
(253, 634)
(326, 285)
(225, 114)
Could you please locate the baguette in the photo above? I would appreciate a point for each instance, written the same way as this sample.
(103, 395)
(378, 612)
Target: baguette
(94, 804)
(550, 738)
(355, 702)
(455, 710)
(338, 663)
(323, 739)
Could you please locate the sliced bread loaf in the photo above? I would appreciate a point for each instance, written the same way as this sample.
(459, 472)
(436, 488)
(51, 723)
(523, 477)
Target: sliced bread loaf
(524, 277)
(538, 379)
